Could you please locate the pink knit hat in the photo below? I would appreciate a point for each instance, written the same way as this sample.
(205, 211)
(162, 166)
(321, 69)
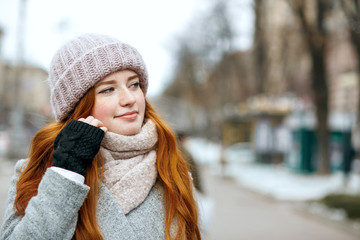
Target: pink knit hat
(82, 62)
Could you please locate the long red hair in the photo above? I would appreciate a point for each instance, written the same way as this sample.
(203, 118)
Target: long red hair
(173, 173)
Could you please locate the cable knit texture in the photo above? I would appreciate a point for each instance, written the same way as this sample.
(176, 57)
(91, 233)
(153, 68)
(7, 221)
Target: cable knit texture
(76, 146)
(130, 165)
(82, 62)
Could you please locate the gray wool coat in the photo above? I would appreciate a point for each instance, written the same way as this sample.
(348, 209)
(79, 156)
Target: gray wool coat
(53, 212)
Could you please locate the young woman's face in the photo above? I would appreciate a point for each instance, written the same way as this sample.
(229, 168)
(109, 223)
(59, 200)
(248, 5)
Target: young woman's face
(120, 103)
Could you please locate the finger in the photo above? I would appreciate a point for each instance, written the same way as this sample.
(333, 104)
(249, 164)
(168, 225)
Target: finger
(86, 120)
(89, 119)
(104, 129)
(95, 122)
(100, 123)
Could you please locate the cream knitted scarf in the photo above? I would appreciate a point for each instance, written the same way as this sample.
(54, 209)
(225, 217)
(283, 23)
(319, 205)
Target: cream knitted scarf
(130, 165)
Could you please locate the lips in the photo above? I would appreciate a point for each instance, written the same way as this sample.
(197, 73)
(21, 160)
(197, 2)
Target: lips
(128, 115)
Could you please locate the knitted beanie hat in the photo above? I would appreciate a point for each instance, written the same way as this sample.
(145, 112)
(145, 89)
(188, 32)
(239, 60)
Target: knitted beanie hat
(81, 63)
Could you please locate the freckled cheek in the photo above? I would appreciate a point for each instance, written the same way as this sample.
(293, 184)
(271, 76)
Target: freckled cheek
(102, 111)
(141, 105)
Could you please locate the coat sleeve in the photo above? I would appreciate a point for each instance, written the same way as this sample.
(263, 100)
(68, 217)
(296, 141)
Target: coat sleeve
(51, 214)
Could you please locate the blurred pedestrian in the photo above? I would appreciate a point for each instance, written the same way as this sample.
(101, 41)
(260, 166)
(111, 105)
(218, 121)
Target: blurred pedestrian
(108, 167)
(348, 157)
(194, 168)
(205, 203)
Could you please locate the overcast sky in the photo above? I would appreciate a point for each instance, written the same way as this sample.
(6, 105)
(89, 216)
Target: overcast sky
(147, 25)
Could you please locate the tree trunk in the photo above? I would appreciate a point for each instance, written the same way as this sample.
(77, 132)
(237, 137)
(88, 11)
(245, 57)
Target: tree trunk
(259, 48)
(320, 87)
(316, 36)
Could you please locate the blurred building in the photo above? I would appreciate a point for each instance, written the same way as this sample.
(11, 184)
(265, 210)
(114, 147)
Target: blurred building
(277, 28)
(287, 59)
(280, 53)
(26, 86)
(33, 92)
(181, 115)
(343, 76)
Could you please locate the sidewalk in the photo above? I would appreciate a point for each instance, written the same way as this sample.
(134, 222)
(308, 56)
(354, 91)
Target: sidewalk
(275, 183)
(243, 214)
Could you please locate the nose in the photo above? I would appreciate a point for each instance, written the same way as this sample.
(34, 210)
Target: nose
(126, 98)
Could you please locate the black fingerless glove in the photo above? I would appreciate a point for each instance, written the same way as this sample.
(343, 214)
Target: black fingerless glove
(76, 146)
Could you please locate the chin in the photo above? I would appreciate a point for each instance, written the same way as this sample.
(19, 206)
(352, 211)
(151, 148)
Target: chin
(133, 130)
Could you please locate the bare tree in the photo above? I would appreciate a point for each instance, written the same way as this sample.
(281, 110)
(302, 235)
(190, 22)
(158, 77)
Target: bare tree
(186, 83)
(259, 46)
(315, 35)
(199, 50)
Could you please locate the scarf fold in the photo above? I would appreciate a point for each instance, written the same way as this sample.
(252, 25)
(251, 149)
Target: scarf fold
(130, 165)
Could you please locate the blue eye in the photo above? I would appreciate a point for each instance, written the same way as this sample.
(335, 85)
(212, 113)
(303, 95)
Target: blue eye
(107, 90)
(135, 85)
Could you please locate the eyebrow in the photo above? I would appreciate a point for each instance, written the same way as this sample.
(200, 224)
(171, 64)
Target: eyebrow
(108, 82)
(133, 77)
(105, 83)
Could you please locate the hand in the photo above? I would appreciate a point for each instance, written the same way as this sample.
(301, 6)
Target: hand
(77, 144)
(95, 122)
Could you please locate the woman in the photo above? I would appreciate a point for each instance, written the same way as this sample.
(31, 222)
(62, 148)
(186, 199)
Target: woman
(109, 167)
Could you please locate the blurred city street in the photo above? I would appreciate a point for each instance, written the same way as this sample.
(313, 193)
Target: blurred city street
(242, 214)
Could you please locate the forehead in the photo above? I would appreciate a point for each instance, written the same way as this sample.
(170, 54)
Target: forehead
(121, 75)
